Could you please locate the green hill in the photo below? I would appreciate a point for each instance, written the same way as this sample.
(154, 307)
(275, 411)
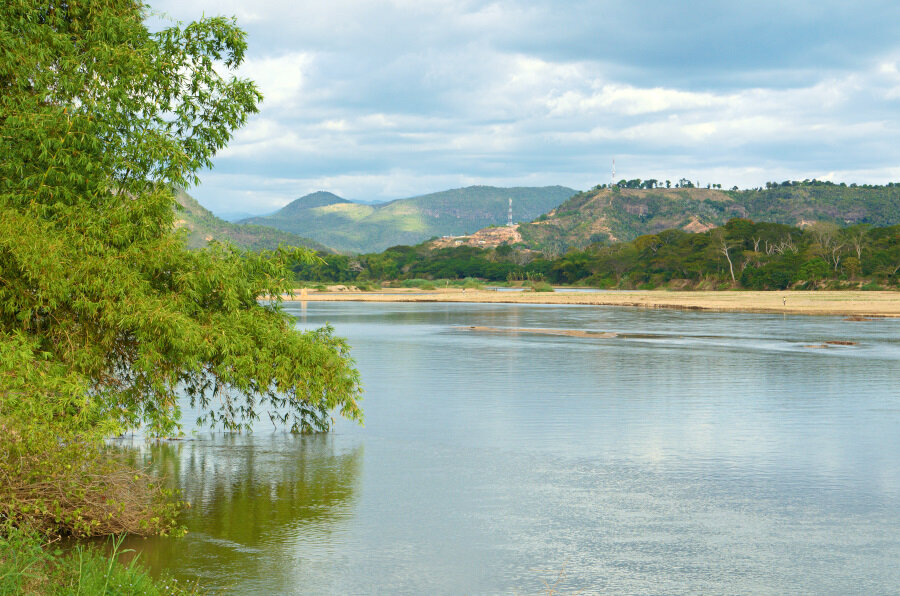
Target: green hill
(623, 214)
(202, 226)
(357, 227)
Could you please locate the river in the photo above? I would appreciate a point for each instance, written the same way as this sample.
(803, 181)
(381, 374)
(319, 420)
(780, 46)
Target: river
(693, 452)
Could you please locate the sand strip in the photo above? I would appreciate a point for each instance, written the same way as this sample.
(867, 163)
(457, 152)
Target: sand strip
(856, 305)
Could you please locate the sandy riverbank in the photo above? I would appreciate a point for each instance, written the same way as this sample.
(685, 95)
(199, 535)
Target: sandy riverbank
(845, 303)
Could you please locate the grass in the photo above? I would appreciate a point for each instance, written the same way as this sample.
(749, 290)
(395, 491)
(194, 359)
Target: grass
(29, 565)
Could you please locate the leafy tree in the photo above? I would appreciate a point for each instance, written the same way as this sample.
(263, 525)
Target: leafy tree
(100, 120)
(815, 269)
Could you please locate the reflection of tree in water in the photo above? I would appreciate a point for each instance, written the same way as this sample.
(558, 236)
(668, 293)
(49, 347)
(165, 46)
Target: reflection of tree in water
(252, 499)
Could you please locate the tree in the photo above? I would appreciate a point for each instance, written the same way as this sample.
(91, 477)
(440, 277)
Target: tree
(723, 246)
(828, 242)
(100, 120)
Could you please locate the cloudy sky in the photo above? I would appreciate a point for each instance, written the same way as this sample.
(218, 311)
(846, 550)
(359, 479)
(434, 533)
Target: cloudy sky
(377, 99)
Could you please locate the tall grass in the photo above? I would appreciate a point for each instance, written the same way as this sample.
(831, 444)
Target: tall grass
(29, 565)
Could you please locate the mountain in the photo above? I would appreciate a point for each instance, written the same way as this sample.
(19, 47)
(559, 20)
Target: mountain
(624, 214)
(203, 226)
(357, 227)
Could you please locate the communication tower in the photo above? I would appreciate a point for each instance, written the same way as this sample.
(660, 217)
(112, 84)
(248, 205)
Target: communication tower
(509, 215)
(612, 178)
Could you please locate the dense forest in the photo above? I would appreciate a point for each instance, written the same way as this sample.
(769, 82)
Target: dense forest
(740, 254)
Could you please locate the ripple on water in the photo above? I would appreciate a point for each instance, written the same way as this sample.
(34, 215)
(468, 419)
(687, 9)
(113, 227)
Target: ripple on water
(693, 452)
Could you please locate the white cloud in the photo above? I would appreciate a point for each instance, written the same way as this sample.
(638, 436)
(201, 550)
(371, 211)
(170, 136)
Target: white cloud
(279, 78)
(390, 98)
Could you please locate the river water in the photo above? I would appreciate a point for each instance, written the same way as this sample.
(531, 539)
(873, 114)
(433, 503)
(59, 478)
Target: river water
(694, 452)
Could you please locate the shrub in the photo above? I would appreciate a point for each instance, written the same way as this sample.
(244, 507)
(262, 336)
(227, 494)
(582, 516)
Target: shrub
(29, 566)
(59, 476)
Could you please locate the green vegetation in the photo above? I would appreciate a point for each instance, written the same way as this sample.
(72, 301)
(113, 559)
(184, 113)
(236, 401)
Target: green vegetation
(28, 565)
(632, 210)
(355, 227)
(106, 318)
(415, 265)
(740, 254)
(202, 227)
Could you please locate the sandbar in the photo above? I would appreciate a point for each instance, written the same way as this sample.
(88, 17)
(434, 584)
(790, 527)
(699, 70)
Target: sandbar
(856, 305)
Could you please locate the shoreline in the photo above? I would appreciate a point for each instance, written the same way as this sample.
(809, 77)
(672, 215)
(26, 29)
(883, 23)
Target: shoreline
(848, 303)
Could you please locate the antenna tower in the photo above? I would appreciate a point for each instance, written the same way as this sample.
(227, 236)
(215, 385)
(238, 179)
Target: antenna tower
(612, 178)
(509, 215)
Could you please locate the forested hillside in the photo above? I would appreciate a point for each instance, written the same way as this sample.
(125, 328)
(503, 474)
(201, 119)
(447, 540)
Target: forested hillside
(202, 227)
(356, 227)
(740, 254)
(621, 214)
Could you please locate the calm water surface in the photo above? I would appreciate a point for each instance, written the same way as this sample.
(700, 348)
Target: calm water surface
(699, 453)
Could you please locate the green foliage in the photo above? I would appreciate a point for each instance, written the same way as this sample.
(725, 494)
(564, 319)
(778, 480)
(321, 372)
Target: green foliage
(52, 454)
(815, 269)
(28, 565)
(762, 256)
(541, 286)
(105, 316)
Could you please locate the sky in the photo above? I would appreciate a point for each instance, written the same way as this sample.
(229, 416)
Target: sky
(377, 100)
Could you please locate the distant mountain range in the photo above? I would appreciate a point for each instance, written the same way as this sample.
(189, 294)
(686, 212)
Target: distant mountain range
(559, 217)
(350, 226)
(202, 226)
(623, 214)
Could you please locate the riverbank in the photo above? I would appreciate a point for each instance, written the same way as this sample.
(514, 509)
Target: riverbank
(29, 564)
(841, 303)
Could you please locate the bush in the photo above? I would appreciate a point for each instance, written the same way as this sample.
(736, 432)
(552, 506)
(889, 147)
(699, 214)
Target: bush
(600, 281)
(29, 566)
(541, 286)
(58, 475)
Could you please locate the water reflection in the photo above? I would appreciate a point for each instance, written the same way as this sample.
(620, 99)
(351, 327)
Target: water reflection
(253, 498)
(693, 452)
